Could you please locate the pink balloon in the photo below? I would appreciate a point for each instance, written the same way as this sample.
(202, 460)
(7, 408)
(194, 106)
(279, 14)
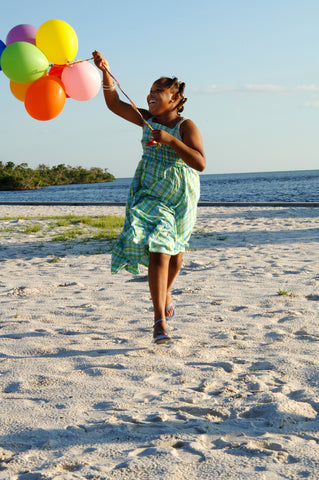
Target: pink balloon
(22, 33)
(81, 80)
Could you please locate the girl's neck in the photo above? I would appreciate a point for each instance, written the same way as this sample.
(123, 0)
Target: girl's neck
(170, 119)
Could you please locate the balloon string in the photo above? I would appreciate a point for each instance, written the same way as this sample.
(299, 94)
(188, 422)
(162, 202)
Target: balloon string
(79, 61)
(119, 86)
(129, 99)
(69, 64)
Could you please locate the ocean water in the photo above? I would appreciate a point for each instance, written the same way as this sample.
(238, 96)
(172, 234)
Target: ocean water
(293, 186)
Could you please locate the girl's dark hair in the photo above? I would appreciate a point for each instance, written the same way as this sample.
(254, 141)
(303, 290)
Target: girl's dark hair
(179, 88)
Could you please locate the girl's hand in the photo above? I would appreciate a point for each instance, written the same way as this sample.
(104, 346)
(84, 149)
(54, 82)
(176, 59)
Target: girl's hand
(189, 149)
(160, 136)
(100, 61)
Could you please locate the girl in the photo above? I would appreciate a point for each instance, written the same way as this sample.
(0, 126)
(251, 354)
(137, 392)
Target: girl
(162, 203)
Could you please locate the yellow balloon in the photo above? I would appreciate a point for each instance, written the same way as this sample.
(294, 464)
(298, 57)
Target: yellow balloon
(58, 41)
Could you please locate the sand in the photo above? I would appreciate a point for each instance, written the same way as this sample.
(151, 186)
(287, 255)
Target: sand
(85, 394)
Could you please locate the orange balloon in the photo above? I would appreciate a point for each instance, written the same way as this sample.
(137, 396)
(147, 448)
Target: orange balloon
(45, 98)
(19, 90)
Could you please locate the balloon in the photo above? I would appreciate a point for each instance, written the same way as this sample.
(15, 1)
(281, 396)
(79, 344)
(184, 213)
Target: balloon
(56, 70)
(81, 80)
(19, 90)
(58, 41)
(2, 47)
(22, 33)
(45, 98)
(23, 62)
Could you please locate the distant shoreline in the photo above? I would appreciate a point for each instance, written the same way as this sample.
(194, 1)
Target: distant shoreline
(21, 177)
(216, 190)
(200, 204)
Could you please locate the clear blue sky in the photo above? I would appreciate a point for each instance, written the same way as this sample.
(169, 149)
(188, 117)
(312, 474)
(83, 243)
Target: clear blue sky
(251, 69)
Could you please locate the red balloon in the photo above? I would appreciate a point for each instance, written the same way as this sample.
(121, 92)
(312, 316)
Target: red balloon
(56, 70)
(45, 98)
(151, 142)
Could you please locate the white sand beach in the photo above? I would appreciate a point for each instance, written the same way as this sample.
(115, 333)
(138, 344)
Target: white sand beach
(85, 394)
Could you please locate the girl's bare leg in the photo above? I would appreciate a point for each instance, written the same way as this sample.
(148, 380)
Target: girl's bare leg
(173, 269)
(162, 272)
(158, 280)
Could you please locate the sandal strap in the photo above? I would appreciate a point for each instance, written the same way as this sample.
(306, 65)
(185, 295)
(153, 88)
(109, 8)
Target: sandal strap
(160, 332)
(162, 335)
(170, 306)
(158, 321)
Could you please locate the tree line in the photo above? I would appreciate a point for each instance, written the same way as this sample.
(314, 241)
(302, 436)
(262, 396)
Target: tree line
(22, 177)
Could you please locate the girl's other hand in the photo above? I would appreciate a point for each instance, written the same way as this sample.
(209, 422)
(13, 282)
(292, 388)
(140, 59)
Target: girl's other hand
(99, 60)
(160, 136)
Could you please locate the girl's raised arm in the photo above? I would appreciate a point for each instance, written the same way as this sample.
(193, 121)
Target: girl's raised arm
(112, 99)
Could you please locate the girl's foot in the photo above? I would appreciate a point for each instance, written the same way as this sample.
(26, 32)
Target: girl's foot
(160, 334)
(169, 309)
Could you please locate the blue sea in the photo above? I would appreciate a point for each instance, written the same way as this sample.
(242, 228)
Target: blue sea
(293, 186)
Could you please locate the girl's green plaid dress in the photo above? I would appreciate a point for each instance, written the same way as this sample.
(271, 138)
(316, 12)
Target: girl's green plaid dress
(161, 207)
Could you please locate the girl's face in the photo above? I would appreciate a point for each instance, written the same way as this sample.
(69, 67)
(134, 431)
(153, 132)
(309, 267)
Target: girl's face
(160, 99)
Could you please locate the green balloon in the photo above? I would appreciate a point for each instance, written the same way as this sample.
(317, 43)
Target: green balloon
(23, 62)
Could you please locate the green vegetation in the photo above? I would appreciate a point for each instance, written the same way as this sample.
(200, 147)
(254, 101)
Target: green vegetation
(284, 293)
(107, 227)
(68, 235)
(32, 228)
(21, 177)
(54, 259)
(68, 227)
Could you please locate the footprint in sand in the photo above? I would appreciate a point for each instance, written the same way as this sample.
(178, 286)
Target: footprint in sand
(303, 334)
(25, 291)
(13, 387)
(238, 308)
(254, 447)
(278, 410)
(313, 298)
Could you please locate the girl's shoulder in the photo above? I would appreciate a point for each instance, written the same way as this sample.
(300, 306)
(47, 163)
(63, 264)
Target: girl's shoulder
(186, 124)
(189, 133)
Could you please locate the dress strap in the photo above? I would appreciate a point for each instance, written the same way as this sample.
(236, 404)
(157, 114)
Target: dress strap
(178, 124)
(181, 121)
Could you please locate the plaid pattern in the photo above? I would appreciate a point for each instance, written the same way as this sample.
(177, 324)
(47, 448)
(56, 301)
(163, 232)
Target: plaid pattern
(161, 207)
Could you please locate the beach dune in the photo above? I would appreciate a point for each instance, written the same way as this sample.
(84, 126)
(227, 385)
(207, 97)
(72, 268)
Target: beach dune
(84, 392)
